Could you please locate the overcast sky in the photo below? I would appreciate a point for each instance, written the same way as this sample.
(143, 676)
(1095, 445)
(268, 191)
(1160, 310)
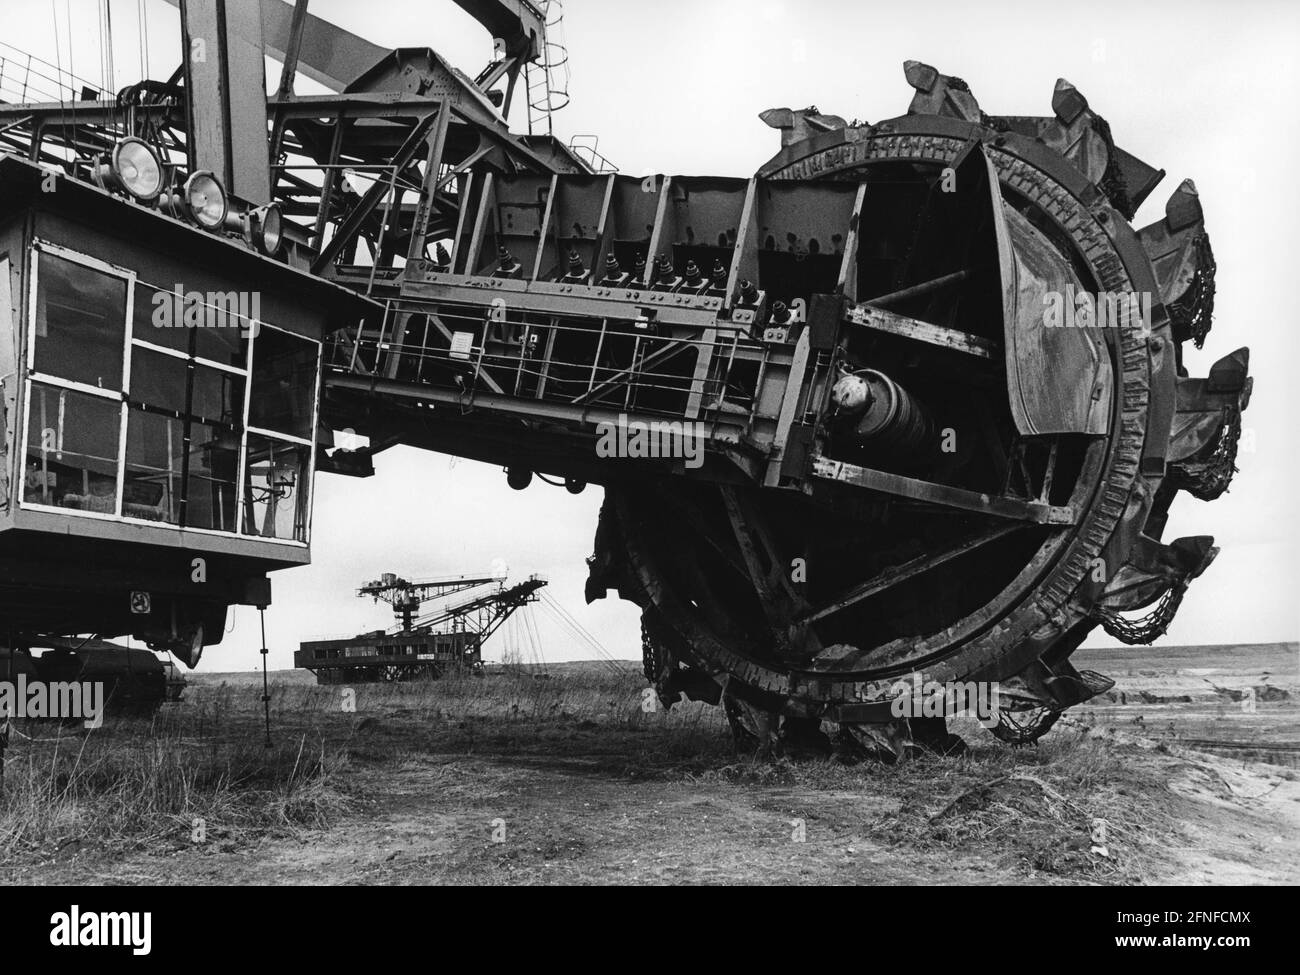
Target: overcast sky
(1201, 90)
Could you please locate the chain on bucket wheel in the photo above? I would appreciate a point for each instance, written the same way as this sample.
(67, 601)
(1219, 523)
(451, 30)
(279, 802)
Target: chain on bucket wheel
(1147, 628)
(1026, 724)
(1025, 727)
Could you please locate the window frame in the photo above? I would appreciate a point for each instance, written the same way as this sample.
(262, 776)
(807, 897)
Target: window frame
(185, 357)
(121, 396)
(38, 248)
(309, 477)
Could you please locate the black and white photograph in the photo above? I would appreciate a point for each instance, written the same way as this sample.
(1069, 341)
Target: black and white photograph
(480, 443)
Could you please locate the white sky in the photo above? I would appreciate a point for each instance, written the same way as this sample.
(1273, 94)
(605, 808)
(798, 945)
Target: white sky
(1205, 90)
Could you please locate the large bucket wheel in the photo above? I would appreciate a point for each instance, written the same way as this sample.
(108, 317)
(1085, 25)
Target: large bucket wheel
(808, 607)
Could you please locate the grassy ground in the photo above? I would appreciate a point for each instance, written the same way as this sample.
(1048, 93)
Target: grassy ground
(509, 779)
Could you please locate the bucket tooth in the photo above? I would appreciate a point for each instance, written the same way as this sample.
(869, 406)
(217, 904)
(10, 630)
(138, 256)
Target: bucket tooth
(1155, 577)
(1083, 137)
(888, 742)
(1180, 253)
(1153, 567)
(940, 94)
(755, 724)
(1072, 133)
(796, 125)
(1184, 207)
(1207, 427)
(1139, 178)
(1056, 685)
(1031, 701)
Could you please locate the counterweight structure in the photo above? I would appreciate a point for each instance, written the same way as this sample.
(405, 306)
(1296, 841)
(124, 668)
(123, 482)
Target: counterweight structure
(913, 400)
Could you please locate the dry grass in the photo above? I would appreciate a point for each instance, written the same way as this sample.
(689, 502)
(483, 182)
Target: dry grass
(1035, 808)
(134, 783)
(138, 784)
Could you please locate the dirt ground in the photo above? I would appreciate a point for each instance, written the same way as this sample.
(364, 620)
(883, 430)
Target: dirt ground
(1180, 775)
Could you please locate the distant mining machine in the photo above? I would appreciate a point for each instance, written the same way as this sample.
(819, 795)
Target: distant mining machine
(450, 636)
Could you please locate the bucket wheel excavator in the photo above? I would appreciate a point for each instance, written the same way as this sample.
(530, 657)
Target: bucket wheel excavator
(1005, 421)
(909, 405)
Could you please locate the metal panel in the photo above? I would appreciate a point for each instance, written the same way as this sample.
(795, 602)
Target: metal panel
(228, 132)
(1038, 356)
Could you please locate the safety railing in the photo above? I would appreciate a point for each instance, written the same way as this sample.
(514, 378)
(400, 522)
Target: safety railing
(26, 79)
(612, 363)
(585, 147)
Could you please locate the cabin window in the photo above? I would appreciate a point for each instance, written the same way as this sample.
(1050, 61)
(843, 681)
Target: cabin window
(154, 319)
(158, 381)
(154, 426)
(155, 448)
(211, 325)
(183, 428)
(284, 383)
(226, 345)
(213, 476)
(277, 485)
(281, 423)
(80, 322)
(72, 449)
